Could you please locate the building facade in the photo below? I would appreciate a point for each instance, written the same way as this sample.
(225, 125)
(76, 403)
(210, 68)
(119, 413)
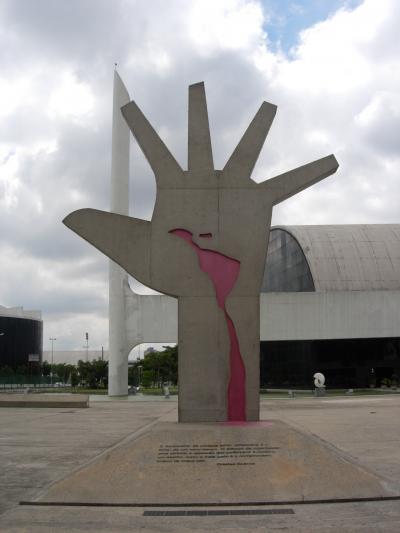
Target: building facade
(21, 337)
(331, 303)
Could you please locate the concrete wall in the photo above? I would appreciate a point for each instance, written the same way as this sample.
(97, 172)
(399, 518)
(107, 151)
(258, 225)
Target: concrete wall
(150, 317)
(283, 316)
(286, 316)
(330, 315)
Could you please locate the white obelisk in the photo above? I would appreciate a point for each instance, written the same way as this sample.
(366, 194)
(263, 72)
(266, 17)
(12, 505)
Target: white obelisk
(118, 345)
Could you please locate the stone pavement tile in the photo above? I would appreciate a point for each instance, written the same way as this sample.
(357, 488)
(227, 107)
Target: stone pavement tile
(194, 463)
(31, 437)
(365, 428)
(39, 446)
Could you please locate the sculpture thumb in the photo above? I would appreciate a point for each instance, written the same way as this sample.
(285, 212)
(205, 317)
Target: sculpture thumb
(125, 239)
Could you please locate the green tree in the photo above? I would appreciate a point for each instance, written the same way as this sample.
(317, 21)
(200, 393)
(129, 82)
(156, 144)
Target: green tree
(74, 377)
(170, 364)
(100, 369)
(133, 373)
(147, 378)
(157, 368)
(93, 373)
(35, 368)
(21, 370)
(6, 371)
(46, 368)
(62, 371)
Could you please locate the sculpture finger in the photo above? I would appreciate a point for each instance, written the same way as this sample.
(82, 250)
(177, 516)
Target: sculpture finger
(165, 167)
(125, 240)
(200, 157)
(239, 167)
(286, 185)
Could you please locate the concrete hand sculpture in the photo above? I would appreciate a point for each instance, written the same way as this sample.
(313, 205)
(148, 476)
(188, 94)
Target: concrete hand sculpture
(206, 244)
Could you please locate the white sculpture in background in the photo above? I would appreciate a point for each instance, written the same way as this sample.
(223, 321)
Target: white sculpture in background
(319, 380)
(133, 318)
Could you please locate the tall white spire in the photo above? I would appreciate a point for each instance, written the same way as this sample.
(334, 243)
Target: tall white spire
(118, 345)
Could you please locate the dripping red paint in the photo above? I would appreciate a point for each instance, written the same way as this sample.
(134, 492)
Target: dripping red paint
(223, 272)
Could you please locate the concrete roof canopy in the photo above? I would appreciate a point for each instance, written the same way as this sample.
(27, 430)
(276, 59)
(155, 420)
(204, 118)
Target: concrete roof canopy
(356, 257)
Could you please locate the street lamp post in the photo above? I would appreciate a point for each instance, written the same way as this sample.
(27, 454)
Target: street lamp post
(52, 339)
(87, 346)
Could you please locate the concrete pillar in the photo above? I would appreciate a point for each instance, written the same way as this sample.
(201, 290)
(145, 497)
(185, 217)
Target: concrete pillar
(205, 366)
(118, 345)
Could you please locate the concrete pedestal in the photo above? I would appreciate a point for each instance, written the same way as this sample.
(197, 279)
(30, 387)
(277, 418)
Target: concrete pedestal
(227, 463)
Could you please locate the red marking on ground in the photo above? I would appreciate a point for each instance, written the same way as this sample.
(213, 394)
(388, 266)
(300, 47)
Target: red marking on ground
(223, 272)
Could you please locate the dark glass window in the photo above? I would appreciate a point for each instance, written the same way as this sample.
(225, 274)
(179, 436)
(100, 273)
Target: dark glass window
(21, 337)
(344, 362)
(286, 268)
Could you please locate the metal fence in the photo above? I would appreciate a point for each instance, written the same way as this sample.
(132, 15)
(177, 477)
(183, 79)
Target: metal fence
(19, 381)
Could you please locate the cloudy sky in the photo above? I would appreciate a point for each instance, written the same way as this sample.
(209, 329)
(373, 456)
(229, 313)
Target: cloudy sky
(331, 66)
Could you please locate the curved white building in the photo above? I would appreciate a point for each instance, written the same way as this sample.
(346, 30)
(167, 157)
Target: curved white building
(339, 258)
(331, 303)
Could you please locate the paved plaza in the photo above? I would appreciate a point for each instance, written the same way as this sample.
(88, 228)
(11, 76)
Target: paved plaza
(40, 446)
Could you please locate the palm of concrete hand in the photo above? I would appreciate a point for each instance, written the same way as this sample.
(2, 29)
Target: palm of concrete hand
(225, 211)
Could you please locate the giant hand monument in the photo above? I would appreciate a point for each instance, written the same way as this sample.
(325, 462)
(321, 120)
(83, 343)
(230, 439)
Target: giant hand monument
(206, 245)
